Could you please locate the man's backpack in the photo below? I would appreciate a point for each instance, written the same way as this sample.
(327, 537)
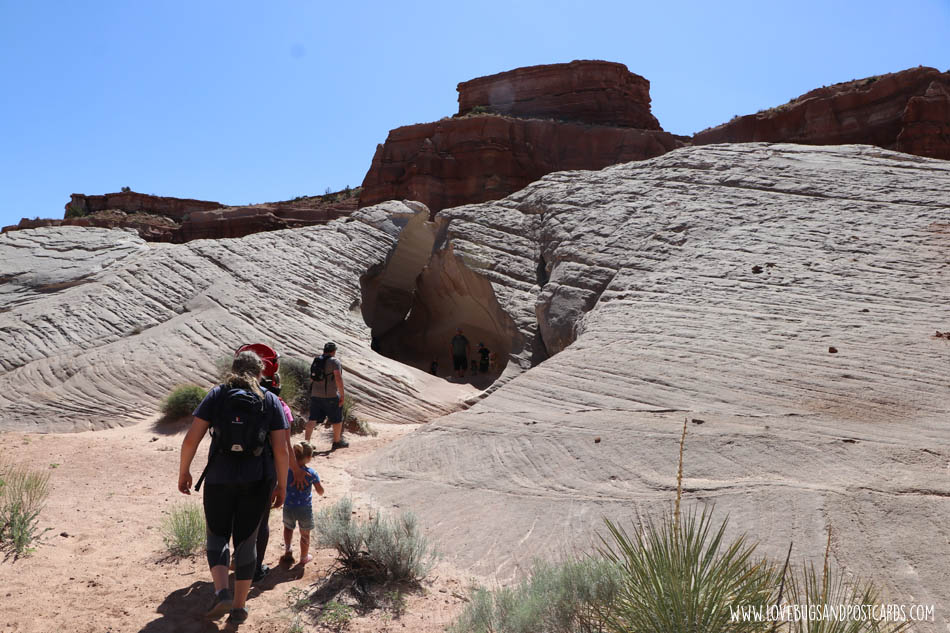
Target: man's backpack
(318, 369)
(240, 428)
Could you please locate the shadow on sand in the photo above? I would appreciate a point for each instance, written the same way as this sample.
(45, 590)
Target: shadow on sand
(183, 610)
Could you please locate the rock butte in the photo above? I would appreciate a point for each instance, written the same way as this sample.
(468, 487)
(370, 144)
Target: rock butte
(514, 127)
(705, 284)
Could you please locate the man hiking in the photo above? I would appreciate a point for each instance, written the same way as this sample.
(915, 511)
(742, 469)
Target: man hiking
(326, 395)
(460, 349)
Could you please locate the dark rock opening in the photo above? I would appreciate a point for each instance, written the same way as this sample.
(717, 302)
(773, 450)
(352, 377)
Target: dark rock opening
(415, 301)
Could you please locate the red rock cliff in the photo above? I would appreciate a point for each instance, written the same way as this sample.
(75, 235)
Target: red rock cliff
(133, 202)
(531, 121)
(460, 161)
(164, 219)
(908, 111)
(604, 93)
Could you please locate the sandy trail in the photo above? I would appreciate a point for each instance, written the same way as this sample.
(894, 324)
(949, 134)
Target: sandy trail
(102, 566)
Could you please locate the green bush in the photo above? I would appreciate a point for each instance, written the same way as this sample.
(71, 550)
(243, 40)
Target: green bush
(681, 576)
(74, 211)
(399, 546)
(23, 494)
(182, 401)
(183, 530)
(569, 597)
(352, 423)
(383, 548)
(295, 383)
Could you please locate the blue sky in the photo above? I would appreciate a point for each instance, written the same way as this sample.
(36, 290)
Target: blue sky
(245, 102)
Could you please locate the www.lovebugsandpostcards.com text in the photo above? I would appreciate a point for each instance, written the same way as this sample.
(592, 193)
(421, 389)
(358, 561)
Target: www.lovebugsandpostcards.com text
(834, 613)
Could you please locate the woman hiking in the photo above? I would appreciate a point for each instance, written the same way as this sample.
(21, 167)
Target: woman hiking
(248, 453)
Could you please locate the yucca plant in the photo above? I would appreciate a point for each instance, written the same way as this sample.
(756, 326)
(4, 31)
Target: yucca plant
(822, 597)
(680, 575)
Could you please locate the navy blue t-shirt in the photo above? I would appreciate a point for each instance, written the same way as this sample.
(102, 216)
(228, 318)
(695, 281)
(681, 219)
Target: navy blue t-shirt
(232, 469)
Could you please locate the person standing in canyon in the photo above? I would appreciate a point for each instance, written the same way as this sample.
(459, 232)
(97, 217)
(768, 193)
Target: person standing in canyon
(460, 349)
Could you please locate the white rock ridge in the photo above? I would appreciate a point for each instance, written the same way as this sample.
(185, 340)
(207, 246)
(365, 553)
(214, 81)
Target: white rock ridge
(709, 284)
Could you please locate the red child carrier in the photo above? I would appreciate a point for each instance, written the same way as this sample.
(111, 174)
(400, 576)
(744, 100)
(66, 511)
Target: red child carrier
(268, 355)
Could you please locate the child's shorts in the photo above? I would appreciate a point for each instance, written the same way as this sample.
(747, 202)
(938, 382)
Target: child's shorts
(298, 514)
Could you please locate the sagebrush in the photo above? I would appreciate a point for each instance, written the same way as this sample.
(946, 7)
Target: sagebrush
(23, 494)
(295, 383)
(183, 530)
(182, 401)
(382, 547)
(568, 597)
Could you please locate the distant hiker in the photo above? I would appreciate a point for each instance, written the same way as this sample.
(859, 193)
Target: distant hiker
(248, 453)
(484, 354)
(492, 362)
(434, 368)
(270, 381)
(326, 395)
(459, 353)
(298, 509)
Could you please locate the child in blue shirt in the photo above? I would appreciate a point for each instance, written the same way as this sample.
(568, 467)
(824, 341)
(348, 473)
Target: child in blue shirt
(298, 506)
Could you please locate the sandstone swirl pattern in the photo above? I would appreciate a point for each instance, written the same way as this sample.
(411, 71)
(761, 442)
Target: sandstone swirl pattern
(96, 325)
(710, 284)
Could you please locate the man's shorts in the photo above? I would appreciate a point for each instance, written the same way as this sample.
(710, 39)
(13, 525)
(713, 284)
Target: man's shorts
(322, 408)
(298, 514)
(460, 363)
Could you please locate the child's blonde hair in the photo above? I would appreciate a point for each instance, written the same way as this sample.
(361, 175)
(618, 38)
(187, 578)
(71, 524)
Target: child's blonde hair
(303, 450)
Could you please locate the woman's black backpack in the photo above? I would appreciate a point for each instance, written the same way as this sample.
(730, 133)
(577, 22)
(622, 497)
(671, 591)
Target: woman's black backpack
(240, 428)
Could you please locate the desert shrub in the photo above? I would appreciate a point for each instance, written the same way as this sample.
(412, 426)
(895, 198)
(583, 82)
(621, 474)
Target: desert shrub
(567, 597)
(222, 367)
(182, 401)
(336, 616)
(183, 530)
(683, 576)
(74, 211)
(295, 383)
(336, 528)
(813, 590)
(351, 422)
(382, 547)
(399, 546)
(23, 493)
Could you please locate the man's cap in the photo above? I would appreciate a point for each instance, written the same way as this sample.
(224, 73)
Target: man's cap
(329, 347)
